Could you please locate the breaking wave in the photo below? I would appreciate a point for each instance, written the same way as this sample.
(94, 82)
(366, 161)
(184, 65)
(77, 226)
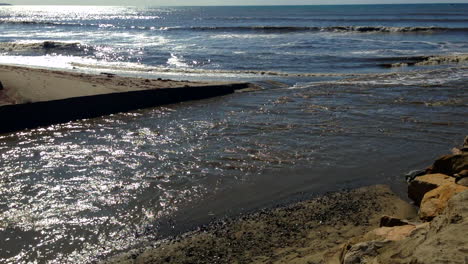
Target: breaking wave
(257, 29)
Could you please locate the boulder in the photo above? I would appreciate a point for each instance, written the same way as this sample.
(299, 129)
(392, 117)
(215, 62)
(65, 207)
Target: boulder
(423, 184)
(435, 201)
(450, 164)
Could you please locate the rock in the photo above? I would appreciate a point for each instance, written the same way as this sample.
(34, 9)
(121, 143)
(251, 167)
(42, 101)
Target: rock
(463, 181)
(435, 201)
(450, 164)
(465, 145)
(423, 184)
(457, 151)
(388, 221)
(390, 233)
(441, 241)
(410, 176)
(362, 252)
(1, 86)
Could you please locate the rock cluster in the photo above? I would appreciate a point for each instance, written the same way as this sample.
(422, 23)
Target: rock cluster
(438, 236)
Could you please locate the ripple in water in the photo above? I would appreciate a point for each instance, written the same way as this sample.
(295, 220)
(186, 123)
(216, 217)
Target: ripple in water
(82, 190)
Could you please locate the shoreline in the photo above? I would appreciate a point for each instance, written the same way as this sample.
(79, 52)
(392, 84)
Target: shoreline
(366, 225)
(31, 97)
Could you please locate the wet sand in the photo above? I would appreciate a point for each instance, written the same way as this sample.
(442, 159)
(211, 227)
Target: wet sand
(300, 233)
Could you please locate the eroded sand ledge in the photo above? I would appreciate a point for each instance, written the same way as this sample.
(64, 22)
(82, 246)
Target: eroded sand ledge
(36, 97)
(367, 225)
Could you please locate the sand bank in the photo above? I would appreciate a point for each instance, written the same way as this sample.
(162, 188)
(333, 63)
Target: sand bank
(30, 85)
(35, 97)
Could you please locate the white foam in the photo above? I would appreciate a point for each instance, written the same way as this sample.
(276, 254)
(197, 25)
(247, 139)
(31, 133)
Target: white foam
(177, 61)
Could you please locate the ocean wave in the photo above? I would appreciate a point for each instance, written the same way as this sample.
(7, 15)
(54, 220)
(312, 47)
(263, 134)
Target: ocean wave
(46, 23)
(44, 47)
(257, 29)
(351, 19)
(168, 70)
(424, 78)
(359, 29)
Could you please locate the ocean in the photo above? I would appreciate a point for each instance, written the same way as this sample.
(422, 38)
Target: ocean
(350, 98)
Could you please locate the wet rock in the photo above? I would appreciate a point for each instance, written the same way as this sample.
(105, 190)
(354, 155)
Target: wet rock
(435, 201)
(388, 221)
(450, 164)
(410, 176)
(426, 183)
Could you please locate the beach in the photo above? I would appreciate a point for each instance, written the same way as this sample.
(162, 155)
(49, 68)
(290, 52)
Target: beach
(30, 85)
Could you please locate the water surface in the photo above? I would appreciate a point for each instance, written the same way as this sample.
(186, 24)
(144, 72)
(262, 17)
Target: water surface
(81, 191)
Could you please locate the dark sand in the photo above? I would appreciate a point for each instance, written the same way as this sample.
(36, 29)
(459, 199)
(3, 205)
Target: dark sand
(300, 233)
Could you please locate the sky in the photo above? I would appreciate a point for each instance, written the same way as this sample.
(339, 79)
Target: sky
(217, 2)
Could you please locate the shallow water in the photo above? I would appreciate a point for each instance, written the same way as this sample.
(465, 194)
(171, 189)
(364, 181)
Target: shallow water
(84, 190)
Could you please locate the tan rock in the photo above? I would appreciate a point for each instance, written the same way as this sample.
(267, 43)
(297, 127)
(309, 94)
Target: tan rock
(435, 201)
(390, 233)
(426, 183)
(443, 240)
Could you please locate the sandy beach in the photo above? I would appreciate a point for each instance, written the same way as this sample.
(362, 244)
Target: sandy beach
(29, 85)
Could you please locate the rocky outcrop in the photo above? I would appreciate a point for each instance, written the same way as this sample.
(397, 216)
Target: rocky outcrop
(424, 184)
(439, 237)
